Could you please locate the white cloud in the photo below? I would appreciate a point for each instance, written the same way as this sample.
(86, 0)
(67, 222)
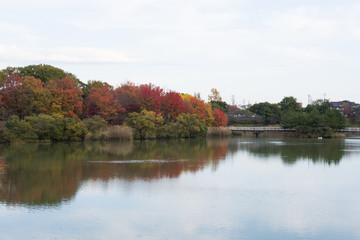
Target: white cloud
(155, 15)
(18, 32)
(211, 39)
(297, 53)
(305, 24)
(62, 54)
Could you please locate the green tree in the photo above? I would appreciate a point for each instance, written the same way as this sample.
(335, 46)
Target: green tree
(321, 105)
(54, 128)
(335, 119)
(2, 78)
(223, 106)
(318, 119)
(95, 123)
(288, 104)
(43, 125)
(18, 130)
(292, 119)
(74, 129)
(145, 124)
(269, 112)
(42, 71)
(189, 126)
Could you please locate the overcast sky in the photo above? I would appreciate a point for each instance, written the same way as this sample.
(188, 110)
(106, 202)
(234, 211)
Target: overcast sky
(256, 50)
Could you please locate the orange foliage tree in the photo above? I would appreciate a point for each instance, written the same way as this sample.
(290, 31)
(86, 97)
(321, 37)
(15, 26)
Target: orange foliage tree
(66, 97)
(197, 106)
(23, 96)
(33, 97)
(101, 101)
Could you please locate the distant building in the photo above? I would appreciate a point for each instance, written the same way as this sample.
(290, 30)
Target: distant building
(350, 110)
(243, 107)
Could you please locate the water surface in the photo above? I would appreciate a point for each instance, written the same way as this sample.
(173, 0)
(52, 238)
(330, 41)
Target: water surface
(182, 189)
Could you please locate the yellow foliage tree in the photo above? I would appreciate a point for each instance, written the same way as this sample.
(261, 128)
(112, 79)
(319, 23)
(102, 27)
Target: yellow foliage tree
(215, 95)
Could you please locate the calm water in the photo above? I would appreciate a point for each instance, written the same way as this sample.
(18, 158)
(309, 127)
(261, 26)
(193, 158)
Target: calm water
(190, 189)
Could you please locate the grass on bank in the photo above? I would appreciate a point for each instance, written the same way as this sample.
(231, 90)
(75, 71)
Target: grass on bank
(114, 132)
(218, 132)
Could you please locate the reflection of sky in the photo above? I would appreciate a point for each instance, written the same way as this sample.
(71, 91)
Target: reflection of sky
(242, 199)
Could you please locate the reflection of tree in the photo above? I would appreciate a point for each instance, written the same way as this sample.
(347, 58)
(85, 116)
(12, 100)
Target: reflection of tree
(291, 151)
(41, 174)
(49, 174)
(178, 156)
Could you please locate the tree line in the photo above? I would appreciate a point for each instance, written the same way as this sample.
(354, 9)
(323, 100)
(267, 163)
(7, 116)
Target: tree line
(316, 119)
(36, 96)
(49, 94)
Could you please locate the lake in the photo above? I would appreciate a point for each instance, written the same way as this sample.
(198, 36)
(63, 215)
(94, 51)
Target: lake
(233, 188)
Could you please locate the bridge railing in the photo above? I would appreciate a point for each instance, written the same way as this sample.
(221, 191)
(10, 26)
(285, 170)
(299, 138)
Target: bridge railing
(280, 129)
(349, 129)
(260, 129)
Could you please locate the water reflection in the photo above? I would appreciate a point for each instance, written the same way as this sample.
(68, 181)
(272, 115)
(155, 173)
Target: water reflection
(142, 161)
(50, 174)
(329, 151)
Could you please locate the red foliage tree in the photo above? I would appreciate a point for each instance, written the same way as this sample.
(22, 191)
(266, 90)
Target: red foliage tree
(220, 118)
(23, 96)
(9, 92)
(101, 101)
(171, 105)
(149, 98)
(128, 96)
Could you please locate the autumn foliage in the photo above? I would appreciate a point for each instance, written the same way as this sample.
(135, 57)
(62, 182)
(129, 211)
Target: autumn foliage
(171, 105)
(66, 97)
(23, 93)
(101, 101)
(220, 118)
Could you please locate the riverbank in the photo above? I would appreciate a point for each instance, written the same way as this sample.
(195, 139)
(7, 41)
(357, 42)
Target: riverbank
(146, 125)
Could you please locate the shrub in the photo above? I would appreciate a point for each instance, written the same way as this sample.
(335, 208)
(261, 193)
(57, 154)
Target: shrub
(74, 129)
(18, 130)
(189, 126)
(144, 124)
(43, 125)
(48, 127)
(169, 130)
(95, 123)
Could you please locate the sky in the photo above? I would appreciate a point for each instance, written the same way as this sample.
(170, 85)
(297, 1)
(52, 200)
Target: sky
(250, 51)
